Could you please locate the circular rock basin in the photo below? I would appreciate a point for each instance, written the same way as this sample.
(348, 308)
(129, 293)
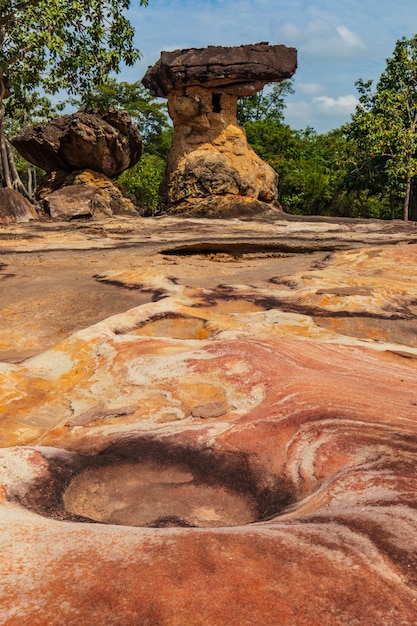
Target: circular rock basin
(150, 494)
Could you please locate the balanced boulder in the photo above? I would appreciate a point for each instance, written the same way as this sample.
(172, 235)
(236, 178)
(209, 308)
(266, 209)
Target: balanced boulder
(106, 143)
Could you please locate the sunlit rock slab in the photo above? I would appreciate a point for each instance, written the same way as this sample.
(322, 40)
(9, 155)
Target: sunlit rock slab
(222, 454)
(58, 278)
(291, 233)
(195, 482)
(134, 366)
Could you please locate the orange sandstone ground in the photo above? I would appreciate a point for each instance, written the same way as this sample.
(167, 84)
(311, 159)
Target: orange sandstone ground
(208, 423)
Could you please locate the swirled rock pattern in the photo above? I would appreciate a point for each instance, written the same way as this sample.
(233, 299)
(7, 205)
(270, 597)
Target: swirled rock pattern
(239, 449)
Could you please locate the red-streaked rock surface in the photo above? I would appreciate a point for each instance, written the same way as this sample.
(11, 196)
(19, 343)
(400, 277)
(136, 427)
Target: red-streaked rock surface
(238, 448)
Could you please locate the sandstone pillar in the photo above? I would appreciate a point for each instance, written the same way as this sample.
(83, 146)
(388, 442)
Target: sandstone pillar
(211, 170)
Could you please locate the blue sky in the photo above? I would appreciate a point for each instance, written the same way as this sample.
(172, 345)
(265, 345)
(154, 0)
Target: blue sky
(337, 43)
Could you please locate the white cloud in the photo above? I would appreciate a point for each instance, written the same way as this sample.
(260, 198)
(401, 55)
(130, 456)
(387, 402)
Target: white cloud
(343, 105)
(321, 112)
(323, 39)
(309, 89)
(350, 38)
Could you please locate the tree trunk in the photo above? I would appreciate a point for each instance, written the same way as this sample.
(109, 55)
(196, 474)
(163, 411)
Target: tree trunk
(407, 199)
(9, 176)
(392, 206)
(6, 180)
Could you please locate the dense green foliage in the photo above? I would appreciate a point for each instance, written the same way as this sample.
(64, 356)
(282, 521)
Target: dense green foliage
(366, 168)
(260, 105)
(63, 44)
(144, 180)
(384, 128)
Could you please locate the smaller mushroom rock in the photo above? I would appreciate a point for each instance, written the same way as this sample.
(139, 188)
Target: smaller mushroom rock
(106, 143)
(210, 161)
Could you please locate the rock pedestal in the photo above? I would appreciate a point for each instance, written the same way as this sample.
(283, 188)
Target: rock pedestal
(211, 170)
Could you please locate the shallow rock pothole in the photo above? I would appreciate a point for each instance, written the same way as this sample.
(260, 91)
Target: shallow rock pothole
(146, 494)
(175, 327)
(158, 484)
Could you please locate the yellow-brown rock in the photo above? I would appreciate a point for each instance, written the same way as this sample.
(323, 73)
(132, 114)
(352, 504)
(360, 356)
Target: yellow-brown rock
(211, 170)
(83, 193)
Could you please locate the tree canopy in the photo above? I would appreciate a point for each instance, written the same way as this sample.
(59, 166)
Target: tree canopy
(70, 45)
(260, 105)
(385, 123)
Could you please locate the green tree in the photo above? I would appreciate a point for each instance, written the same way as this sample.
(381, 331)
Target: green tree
(262, 105)
(310, 166)
(385, 123)
(57, 44)
(143, 180)
(36, 108)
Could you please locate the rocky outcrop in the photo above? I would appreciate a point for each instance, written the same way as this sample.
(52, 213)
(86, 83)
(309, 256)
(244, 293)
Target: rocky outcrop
(241, 70)
(83, 193)
(14, 207)
(82, 149)
(210, 157)
(106, 143)
(239, 448)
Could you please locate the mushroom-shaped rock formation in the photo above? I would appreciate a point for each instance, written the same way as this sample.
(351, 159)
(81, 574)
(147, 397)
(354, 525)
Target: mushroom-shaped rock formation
(211, 170)
(89, 147)
(106, 143)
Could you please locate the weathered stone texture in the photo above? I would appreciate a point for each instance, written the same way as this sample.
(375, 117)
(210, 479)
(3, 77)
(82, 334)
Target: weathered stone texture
(85, 193)
(210, 159)
(238, 448)
(108, 143)
(242, 69)
(14, 207)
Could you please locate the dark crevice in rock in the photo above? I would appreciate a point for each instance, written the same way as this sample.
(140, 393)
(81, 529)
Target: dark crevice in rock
(242, 247)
